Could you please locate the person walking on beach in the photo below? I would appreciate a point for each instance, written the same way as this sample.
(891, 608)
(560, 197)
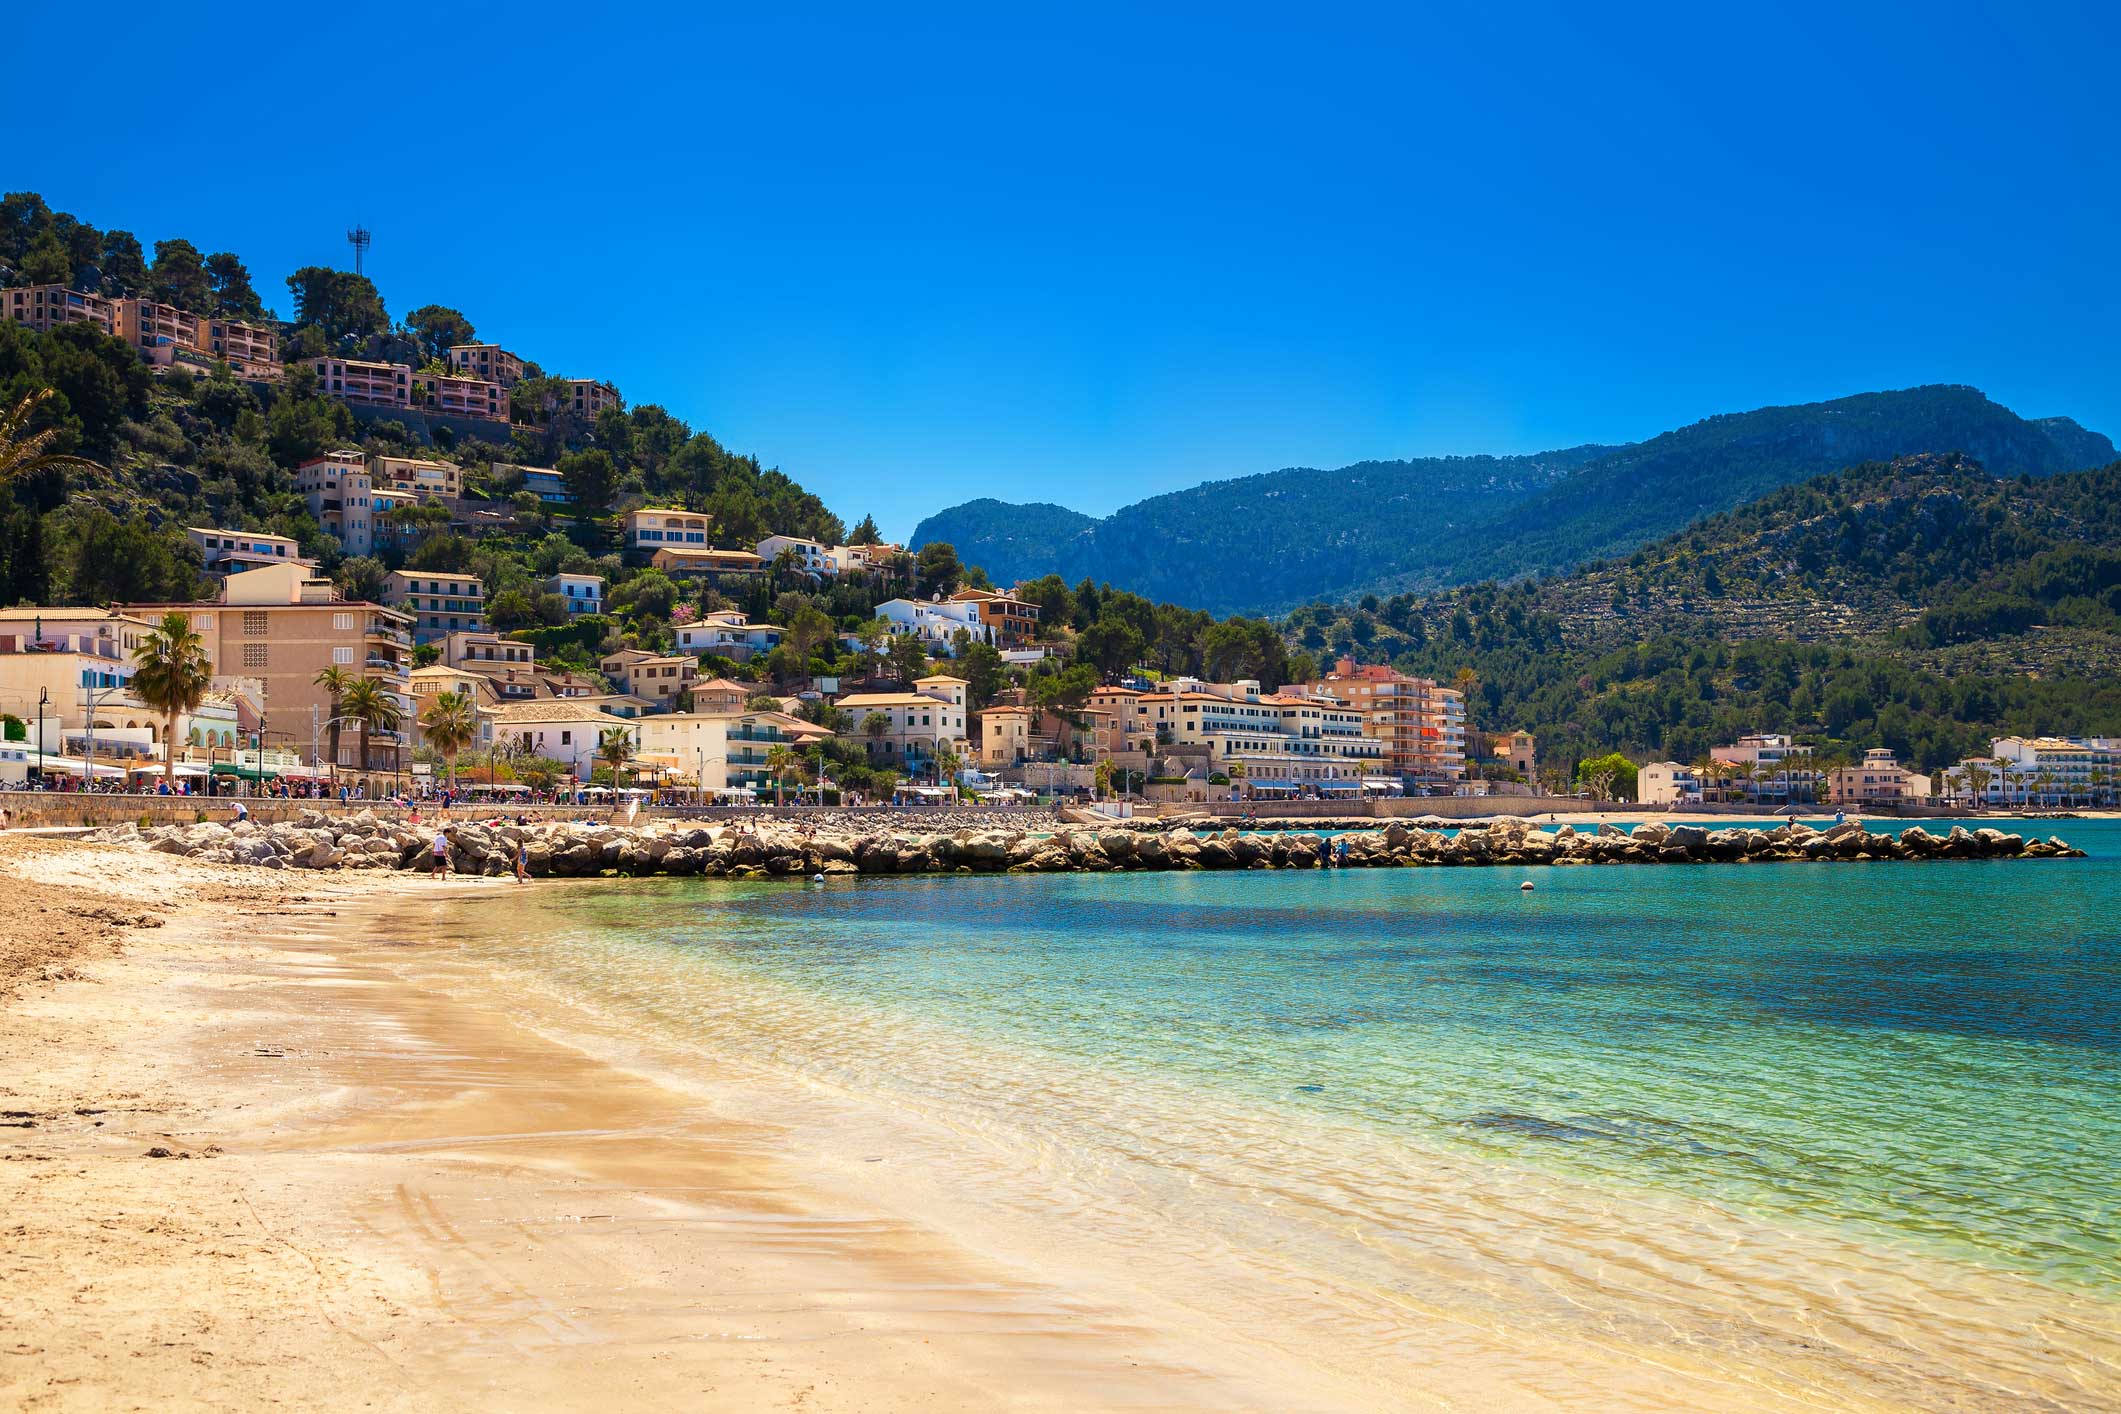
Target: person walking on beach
(522, 861)
(441, 850)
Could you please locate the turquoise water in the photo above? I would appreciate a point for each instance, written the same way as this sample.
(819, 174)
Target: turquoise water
(1927, 1055)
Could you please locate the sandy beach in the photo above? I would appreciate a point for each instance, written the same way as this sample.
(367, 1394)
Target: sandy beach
(265, 1149)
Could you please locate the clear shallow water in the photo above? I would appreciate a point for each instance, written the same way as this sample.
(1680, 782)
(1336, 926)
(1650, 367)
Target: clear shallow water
(1916, 1059)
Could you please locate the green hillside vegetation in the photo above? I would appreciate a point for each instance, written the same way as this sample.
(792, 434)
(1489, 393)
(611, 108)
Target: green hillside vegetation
(1393, 526)
(1922, 604)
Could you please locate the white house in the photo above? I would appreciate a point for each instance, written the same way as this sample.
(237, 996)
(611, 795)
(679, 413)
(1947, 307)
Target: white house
(584, 593)
(1667, 783)
(934, 622)
(562, 731)
(811, 556)
(730, 634)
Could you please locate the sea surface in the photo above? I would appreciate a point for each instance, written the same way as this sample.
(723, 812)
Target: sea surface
(1850, 1133)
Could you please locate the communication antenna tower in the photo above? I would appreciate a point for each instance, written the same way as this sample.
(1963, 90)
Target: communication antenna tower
(359, 239)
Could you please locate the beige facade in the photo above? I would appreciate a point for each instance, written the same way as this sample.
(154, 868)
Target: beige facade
(232, 551)
(1881, 781)
(916, 727)
(431, 682)
(686, 561)
(438, 603)
(61, 667)
(1005, 736)
(423, 478)
(1667, 783)
(650, 528)
(588, 397)
(471, 648)
(154, 328)
(658, 678)
(490, 362)
(339, 493)
(1267, 744)
(46, 307)
(281, 626)
(1011, 622)
(251, 350)
(356, 380)
(1421, 725)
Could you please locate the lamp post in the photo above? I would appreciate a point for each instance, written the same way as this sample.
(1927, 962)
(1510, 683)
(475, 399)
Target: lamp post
(43, 697)
(94, 697)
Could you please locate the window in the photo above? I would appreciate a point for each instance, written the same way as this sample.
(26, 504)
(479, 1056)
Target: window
(342, 656)
(253, 655)
(342, 621)
(255, 623)
(566, 738)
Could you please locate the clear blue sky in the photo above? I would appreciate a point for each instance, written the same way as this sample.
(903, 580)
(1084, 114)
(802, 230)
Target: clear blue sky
(915, 256)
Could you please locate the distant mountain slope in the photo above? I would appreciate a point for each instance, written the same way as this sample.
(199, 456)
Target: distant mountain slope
(1263, 543)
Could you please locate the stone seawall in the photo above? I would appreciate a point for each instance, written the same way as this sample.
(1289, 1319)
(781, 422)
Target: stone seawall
(770, 849)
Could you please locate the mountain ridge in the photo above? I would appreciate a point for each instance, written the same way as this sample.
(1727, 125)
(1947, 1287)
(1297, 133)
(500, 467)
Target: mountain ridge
(1302, 533)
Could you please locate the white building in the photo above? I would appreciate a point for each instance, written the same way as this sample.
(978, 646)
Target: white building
(916, 726)
(729, 634)
(1667, 783)
(561, 731)
(1266, 744)
(226, 552)
(2040, 771)
(811, 557)
(711, 752)
(584, 593)
(934, 622)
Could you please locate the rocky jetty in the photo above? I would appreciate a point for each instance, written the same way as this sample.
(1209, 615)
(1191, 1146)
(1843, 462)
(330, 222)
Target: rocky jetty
(867, 845)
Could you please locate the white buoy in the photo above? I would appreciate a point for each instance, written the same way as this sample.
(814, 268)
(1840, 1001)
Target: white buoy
(820, 878)
(1525, 887)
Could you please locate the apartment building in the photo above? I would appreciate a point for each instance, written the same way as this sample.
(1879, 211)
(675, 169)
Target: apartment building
(811, 557)
(721, 695)
(688, 562)
(1762, 768)
(1420, 724)
(62, 668)
(46, 307)
(540, 481)
(429, 480)
(728, 633)
(1283, 743)
(865, 559)
(451, 396)
(432, 681)
(914, 727)
(354, 380)
(336, 487)
(225, 552)
(250, 350)
(1005, 737)
(659, 678)
(488, 362)
(475, 649)
(1667, 783)
(437, 603)
(587, 397)
(156, 330)
(936, 623)
(281, 626)
(718, 752)
(652, 527)
(1010, 622)
(2046, 770)
(584, 593)
(1879, 782)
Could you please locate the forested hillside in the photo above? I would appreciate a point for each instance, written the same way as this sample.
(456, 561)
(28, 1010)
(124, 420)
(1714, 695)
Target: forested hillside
(1386, 526)
(1921, 602)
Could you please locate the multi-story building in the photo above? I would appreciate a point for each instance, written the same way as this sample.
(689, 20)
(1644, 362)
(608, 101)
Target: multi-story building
(865, 559)
(1266, 744)
(653, 527)
(718, 752)
(250, 350)
(1011, 622)
(914, 727)
(584, 593)
(432, 681)
(337, 488)
(281, 626)
(1762, 768)
(728, 633)
(720, 695)
(490, 362)
(811, 557)
(225, 552)
(437, 602)
(936, 623)
(2044, 770)
(1881, 781)
(1515, 751)
(429, 480)
(1667, 783)
(157, 331)
(588, 397)
(540, 481)
(476, 650)
(1420, 724)
(689, 562)
(46, 307)
(480, 398)
(67, 673)
(657, 677)
(354, 380)
(1005, 737)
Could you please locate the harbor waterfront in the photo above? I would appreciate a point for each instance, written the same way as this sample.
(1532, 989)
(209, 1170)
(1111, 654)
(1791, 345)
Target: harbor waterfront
(1841, 1135)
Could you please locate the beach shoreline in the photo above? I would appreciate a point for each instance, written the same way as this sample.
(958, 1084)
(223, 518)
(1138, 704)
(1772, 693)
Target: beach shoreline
(391, 1170)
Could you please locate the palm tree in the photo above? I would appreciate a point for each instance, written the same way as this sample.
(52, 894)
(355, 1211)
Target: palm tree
(615, 746)
(778, 760)
(2003, 774)
(451, 723)
(334, 681)
(1976, 776)
(947, 763)
(171, 674)
(373, 709)
(22, 452)
(875, 726)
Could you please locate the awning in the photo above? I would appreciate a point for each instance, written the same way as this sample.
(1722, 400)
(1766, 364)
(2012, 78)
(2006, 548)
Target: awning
(73, 766)
(1256, 784)
(248, 773)
(183, 769)
(1338, 785)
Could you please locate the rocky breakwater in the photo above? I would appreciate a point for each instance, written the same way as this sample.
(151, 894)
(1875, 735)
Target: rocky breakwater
(762, 849)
